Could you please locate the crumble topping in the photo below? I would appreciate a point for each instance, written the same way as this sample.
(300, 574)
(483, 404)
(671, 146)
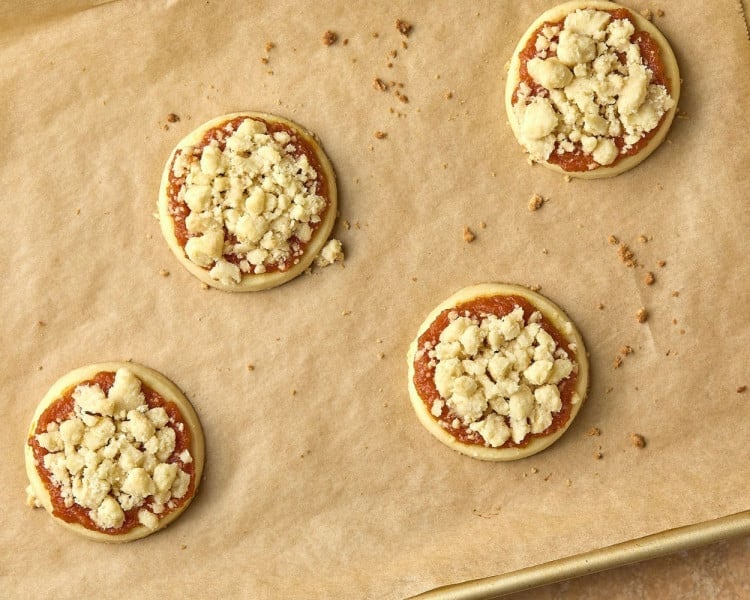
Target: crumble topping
(253, 203)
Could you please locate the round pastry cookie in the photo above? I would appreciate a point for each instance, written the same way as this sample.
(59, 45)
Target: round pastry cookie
(247, 201)
(592, 89)
(497, 372)
(115, 452)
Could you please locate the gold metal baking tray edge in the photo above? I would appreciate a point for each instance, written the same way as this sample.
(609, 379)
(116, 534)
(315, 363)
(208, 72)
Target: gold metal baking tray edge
(625, 553)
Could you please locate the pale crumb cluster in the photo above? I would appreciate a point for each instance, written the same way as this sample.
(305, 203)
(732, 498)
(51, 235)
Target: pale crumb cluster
(497, 377)
(116, 454)
(596, 88)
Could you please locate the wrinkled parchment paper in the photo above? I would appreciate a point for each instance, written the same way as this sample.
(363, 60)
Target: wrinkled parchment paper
(320, 482)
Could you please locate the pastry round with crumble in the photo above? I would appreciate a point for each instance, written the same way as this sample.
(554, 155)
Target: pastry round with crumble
(497, 372)
(247, 201)
(114, 452)
(592, 89)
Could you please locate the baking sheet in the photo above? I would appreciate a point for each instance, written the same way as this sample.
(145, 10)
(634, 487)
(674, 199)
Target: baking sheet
(319, 479)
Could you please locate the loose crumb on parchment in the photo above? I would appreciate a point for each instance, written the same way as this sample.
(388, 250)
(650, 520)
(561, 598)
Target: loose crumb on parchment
(469, 235)
(536, 202)
(329, 38)
(637, 440)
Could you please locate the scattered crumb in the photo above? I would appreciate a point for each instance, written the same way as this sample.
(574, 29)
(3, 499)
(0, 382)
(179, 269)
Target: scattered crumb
(250, 367)
(643, 239)
(675, 294)
(173, 118)
(379, 84)
(393, 53)
(662, 263)
(404, 45)
(626, 255)
(41, 323)
(294, 392)
(674, 321)
(482, 225)
(381, 135)
(600, 306)
(183, 547)
(649, 279)
(547, 476)
(641, 316)
(345, 42)
(626, 350)
(536, 202)
(545, 251)
(331, 253)
(345, 313)
(205, 286)
(346, 225)
(567, 179)
(741, 389)
(269, 46)
(568, 482)
(468, 235)
(403, 27)
(612, 239)
(637, 440)
(448, 95)
(534, 470)
(375, 34)
(381, 355)
(264, 60)
(414, 279)
(617, 363)
(329, 38)
(535, 288)
(646, 13)
(659, 12)
(598, 455)
(401, 97)
(594, 431)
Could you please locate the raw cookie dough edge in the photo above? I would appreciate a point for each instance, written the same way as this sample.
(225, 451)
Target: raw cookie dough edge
(161, 385)
(250, 282)
(561, 322)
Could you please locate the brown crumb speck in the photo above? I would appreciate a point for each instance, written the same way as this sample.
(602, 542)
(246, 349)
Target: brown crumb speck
(379, 84)
(250, 367)
(381, 355)
(536, 202)
(637, 440)
(662, 263)
(345, 42)
(482, 225)
(612, 239)
(642, 315)
(468, 235)
(646, 13)
(269, 46)
(643, 239)
(448, 95)
(626, 350)
(41, 323)
(600, 306)
(205, 286)
(183, 547)
(567, 179)
(163, 272)
(598, 455)
(617, 362)
(264, 60)
(594, 431)
(403, 27)
(649, 278)
(375, 34)
(675, 294)
(741, 389)
(381, 135)
(346, 225)
(402, 97)
(404, 45)
(659, 12)
(626, 255)
(534, 470)
(329, 38)
(173, 118)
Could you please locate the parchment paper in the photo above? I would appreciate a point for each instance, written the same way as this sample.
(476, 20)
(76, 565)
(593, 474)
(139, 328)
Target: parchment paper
(320, 482)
